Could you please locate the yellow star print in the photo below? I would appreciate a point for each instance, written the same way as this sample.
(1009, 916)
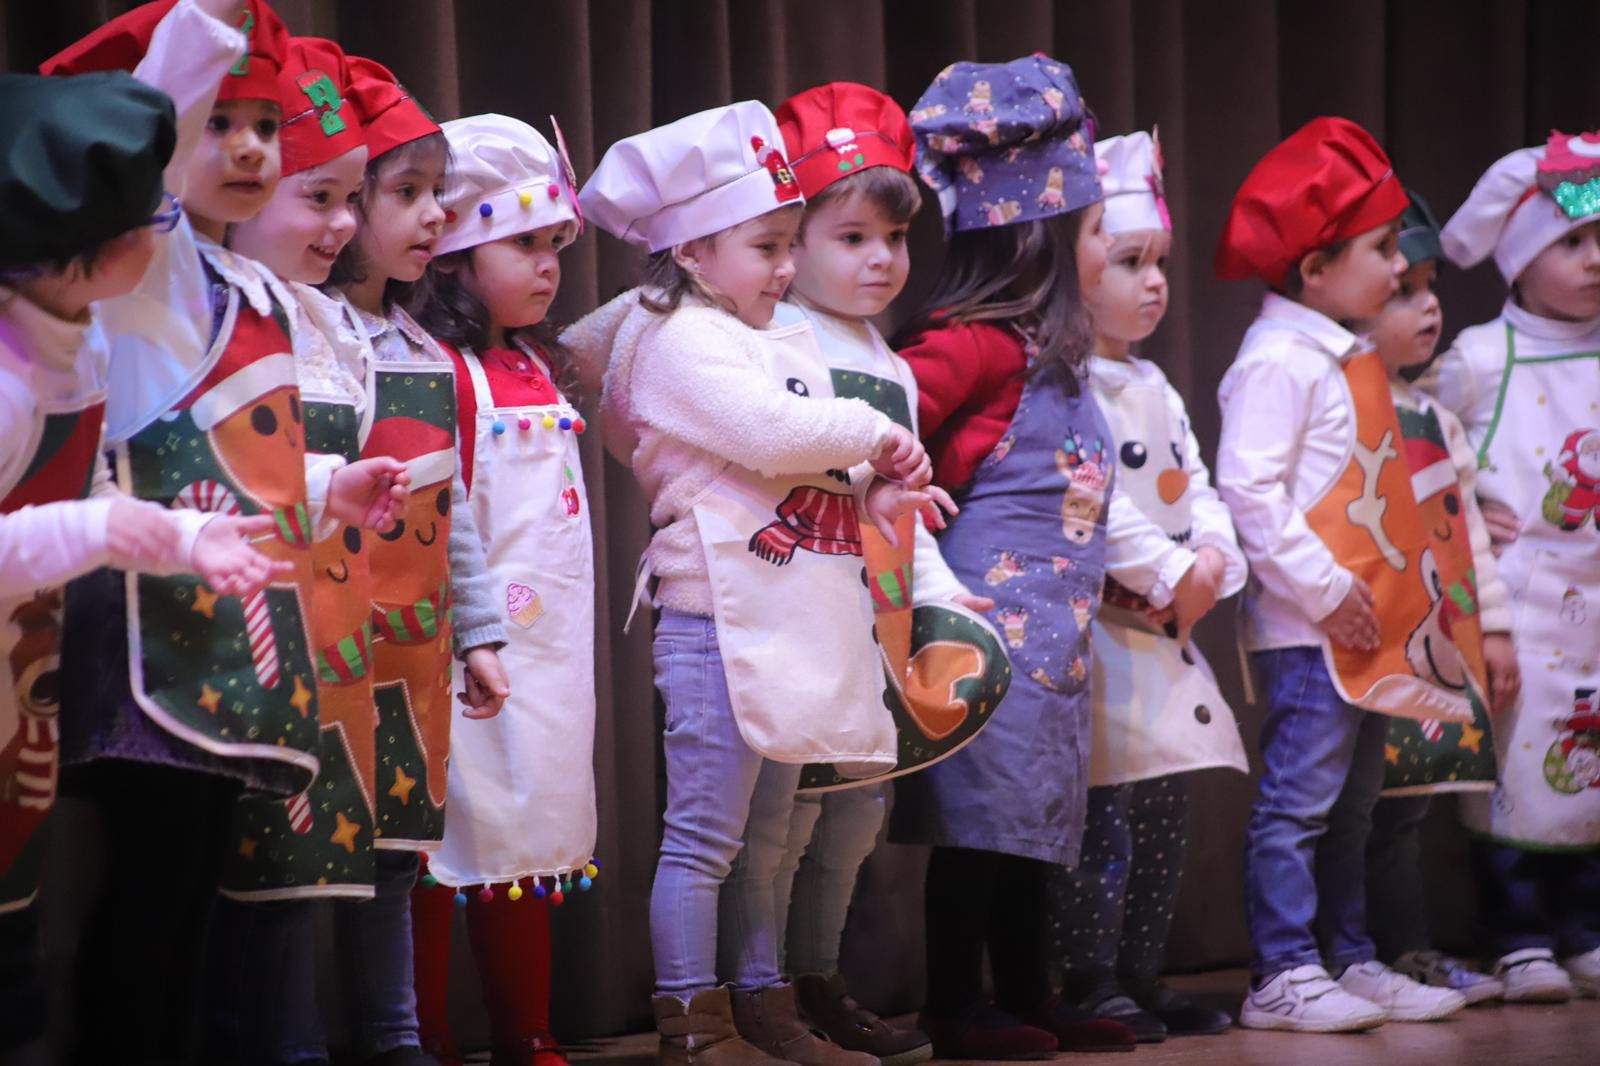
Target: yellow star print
(1470, 738)
(401, 790)
(247, 847)
(301, 700)
(209, 698)
(346, 833)
(205, 601)
(1391, 754)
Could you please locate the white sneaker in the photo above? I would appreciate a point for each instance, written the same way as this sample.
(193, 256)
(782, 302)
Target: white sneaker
(1532, 976)
(1306, 1000)
(1404, 999)
(1445, 971)
(1585, 972)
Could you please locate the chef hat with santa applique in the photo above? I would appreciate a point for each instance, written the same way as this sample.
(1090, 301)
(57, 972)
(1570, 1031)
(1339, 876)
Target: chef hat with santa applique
(1526, 202)
(1130, 175)
(505, 179)
(836, 130)
(692, 178)
(319, 124)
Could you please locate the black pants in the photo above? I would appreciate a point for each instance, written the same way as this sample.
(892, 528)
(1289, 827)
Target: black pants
(138, 978)
(978, 899)
(22, 1001)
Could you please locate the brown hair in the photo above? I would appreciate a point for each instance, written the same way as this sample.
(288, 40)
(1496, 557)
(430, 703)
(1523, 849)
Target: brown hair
(351, 266)
(670, 282)
(1024, 278)
(894, 192)
(1294, 286)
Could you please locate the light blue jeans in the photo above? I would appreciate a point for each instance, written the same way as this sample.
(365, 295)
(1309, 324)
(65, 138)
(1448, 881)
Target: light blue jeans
(831, 834)
(720, 794)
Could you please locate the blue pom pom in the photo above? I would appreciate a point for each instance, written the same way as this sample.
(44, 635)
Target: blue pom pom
(565, 423)
(461, 898)
(585, 884)
(499, 427)
(485, 210)
(539, 890)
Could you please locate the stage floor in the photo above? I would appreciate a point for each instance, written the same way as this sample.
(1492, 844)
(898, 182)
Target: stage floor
(1495, 1035)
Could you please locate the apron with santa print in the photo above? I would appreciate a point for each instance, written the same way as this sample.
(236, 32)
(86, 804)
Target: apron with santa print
(232, 676)
(944, 668)
(1157, 708)
(789, 591)
(1542, 455)
(1370, 520)
(1424, 756)
(64, 441)
(521, 789)
(414, 420)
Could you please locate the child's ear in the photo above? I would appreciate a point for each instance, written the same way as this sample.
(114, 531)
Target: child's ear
(1313, 264)
(688, 256)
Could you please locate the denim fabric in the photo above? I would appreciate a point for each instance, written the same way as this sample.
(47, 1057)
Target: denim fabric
(372, 941)
(261, 995)
(1397, 906)
(830, 836)
(1539, 899)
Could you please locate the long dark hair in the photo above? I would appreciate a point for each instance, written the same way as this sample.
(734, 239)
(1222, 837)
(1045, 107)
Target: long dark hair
(351, 265)
(1024, 278)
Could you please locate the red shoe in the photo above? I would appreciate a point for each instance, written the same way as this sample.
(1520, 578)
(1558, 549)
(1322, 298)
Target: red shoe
(985, 1033)
(541, 1050)
(1076, 1029)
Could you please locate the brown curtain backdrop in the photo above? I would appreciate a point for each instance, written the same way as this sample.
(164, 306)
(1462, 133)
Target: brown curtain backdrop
(1446, 86)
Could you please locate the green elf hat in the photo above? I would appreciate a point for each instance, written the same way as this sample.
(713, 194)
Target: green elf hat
(80, 162)
(1419, 232)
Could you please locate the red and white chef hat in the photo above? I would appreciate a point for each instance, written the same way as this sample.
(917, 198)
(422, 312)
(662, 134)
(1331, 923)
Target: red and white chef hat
(1130, 174)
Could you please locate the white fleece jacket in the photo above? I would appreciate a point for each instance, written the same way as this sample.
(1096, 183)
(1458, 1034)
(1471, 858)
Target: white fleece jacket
(685, 395)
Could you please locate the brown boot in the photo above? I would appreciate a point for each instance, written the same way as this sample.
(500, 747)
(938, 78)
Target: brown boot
(827, 1004)
(703, 1034)
(768, 1019)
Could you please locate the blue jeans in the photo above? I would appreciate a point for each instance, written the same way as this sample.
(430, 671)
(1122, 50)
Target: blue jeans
(720, 794)
(831, 834)
(262, 994)
(1306, 847)
(372, 940)
(1539, 899)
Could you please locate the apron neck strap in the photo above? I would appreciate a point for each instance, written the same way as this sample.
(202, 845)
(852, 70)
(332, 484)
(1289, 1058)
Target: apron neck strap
(480, 380)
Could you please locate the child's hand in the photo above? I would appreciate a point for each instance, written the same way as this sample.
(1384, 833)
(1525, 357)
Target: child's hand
(1193, 599)
(370, 493)
(903, 458)
(224, 558)
(142, 536)
(487, 686)
(1212, 568)
(888, 500)
(1505, 678)
(1353, 623)
(1502, 522)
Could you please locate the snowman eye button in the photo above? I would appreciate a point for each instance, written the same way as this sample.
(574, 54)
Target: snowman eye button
(1133, 454)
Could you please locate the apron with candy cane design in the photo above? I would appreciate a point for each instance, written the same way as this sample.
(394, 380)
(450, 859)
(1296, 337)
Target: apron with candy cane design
(414, 419)
(794, 617)
(522, 783)
(64, 443)
(231, 676)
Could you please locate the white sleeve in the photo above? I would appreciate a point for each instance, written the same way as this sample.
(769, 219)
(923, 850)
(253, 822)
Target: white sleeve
(188, 56)
(1263, 420)
(319, 479)
(1213, 522)
(43, 546)
(932, 580)
(1140, 555)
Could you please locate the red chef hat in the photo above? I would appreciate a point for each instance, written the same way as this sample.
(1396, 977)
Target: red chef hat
(837, 129)
(319, 124)
(122, 42)
(389, 114)
(1327, 182)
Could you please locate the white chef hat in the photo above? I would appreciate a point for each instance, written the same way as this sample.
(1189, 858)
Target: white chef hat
(505, 179)
(1525, 202)
(692, 178)
(1130, 174)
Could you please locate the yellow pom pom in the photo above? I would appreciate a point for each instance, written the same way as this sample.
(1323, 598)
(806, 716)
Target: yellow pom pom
(591, 870)
(549, 422)
(525, 198)
(514, 892)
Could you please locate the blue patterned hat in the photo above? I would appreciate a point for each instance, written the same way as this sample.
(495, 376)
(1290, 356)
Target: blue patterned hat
(1003, 143)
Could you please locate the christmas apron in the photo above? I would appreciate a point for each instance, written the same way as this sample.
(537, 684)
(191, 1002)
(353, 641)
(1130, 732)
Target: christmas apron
(1547, 434)
(319, 842)
(64, 445)
(414, 407)
(1370, 519)
(234, 677)
(522, 783)
(945, 668)
(1428, 755)
(793, 615)
(1157, 707)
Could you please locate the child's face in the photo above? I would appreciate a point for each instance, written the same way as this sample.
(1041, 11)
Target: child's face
(852, 259)
(1407, 331)
(1131, 298)
(308, 221)
(1093, 246)
(751, 264)
(1563, 281)
(118, 267)
(235, 167)
(516, 278)
(404, 217)
(1356, 284)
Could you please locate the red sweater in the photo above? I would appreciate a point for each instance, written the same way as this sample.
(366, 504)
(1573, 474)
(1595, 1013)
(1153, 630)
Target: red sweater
(969, 381)
(514, 381)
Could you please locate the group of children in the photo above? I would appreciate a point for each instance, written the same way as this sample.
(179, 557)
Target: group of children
(294, 471)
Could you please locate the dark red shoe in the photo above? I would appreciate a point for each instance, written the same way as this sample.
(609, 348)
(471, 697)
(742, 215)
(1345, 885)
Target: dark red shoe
(541, 1050)
(985, 1033)
(1076, 1029)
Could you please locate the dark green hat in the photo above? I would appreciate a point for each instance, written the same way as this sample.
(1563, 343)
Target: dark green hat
(80, 162)
(1419, 232)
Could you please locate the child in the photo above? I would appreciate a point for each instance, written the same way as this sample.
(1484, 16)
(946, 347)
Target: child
(522, 787)
(998, 353)
(215, 696)
(734, 433)
(1309, 465)
(1524, 387)
(80, 189)
(852, 153)
(1432, 757)
(1157, 710)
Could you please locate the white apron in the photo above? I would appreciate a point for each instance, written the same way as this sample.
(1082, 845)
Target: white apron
(521, 785)
(1546, 443)
(794, 617)
(1157, 707)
